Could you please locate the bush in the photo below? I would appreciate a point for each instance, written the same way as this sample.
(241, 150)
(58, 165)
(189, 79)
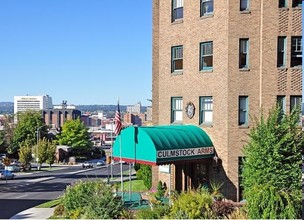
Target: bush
(145, 174)
(91, 199)
(158, 212)
(192, 205)
(59, 210)
(222, 209)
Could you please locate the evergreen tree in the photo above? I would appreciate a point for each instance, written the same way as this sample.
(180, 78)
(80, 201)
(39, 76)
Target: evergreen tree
(272, 167)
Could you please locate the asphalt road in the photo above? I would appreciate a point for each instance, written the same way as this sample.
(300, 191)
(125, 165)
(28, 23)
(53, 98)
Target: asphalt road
(31, 189)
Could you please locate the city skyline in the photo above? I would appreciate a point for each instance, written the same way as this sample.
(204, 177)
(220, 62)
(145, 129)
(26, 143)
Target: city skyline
(86, 51)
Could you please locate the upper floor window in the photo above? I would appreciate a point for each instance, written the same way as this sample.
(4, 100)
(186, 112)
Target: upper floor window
(206, 7)
(296, 51)
(243, 110)
(206, 110)
(206, 58)
(176, 109)
(244, 5)
(177, 9)
(244, 54)
(281, 56)
(282, 3)
(177, 59)
(296, 3)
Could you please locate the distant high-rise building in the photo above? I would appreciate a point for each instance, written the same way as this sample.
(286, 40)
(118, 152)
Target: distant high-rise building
(31, 103)
(134, 109)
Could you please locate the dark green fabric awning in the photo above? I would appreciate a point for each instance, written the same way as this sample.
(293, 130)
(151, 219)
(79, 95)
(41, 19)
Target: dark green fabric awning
(162, 144)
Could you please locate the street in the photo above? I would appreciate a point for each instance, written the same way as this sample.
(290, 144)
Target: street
(31, 189)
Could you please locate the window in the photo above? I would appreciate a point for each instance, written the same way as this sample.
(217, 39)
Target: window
(206, 107)
(282, 3)
(206, 59)
(176, 109)
(296, 3)
(244, 54)
(243, 110)
(177, 59)
(244, 5)
(177, 9)
(281, 102)
(295, 102)
(206, 7)
(281, 62)
(296, 51)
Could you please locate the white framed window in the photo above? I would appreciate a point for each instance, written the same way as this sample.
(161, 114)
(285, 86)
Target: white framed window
(282, 3)
(176, 59)
(206, 57)
(176, 109)
(281, 55)
(281, 102)
(206, 7)
(244, 53)
(295, 102)
(206, 110)
(296, 3)
(243, 110)
(244, 5)
(177, 9)
(296, 51)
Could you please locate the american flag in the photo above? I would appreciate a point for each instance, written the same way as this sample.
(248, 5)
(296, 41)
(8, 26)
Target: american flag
(117, 120)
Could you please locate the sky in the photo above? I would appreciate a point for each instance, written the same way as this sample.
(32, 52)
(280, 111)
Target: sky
(82, 51)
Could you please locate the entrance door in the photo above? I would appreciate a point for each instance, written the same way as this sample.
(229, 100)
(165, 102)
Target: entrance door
(200, 175)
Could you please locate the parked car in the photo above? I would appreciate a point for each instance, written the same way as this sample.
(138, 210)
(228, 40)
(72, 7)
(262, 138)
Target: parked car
(5, 174)
(100, 163)
(87, 164)
(12, 168)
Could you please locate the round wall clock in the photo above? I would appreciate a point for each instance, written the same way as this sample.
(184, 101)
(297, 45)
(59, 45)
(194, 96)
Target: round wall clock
(190, 110)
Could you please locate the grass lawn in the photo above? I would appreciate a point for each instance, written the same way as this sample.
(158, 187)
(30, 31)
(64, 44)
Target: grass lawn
(136, 186)
(49, 204)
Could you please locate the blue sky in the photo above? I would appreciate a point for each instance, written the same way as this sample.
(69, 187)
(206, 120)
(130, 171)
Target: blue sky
(82, 51)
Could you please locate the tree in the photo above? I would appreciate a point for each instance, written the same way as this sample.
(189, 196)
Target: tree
(26, 129)
(46, 151)
(25, 153)
(272, 167)
(6, 135)
(75, 134)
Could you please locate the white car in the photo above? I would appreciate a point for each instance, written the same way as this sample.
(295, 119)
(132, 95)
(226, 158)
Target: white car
(87, 164)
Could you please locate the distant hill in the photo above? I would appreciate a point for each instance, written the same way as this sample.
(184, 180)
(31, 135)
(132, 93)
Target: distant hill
(8, 108)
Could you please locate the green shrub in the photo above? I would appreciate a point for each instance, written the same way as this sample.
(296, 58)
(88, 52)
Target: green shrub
(145, 174)
(91, 199)
(160, 190)
(192, 205)
(59, 210)
(158, 212)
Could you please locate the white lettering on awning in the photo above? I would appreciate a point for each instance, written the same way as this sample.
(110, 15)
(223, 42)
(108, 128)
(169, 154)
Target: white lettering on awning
(185, 152)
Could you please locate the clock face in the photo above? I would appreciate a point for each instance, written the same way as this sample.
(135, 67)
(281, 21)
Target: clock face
(190, 109)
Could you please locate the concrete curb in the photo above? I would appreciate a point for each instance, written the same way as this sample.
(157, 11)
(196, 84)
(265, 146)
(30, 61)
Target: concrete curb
(34, 213)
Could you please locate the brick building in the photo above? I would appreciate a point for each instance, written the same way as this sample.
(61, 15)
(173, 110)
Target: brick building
(216, 64)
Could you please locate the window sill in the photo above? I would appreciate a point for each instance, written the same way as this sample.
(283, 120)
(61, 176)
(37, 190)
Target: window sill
(177, 122)
(176, 73)
(178, 21)
(207, 16)
(284, 9)
(244, 69)
(245, 12)
(282, 68)
(206, 125)
(206, 71)
(296, 67)
(297, 8)
(243, 126)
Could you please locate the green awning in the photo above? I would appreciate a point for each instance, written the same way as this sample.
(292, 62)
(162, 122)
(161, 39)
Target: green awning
(162, 144)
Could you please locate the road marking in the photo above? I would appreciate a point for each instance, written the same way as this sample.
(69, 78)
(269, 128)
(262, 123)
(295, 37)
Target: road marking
(24, 195)
(40, 179)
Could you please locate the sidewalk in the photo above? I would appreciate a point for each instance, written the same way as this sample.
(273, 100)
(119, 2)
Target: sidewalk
(34, 213)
